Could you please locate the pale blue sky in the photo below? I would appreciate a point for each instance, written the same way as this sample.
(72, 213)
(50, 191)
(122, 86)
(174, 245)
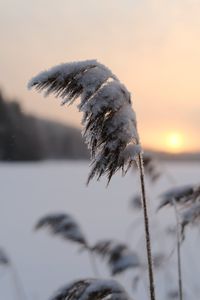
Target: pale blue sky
(152, 46)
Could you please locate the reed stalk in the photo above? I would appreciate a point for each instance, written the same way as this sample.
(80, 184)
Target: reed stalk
(146, 226)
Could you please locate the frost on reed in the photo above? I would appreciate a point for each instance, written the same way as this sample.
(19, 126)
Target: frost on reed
(92, 289)
(109, 121)
(119, 256)
(64, 226)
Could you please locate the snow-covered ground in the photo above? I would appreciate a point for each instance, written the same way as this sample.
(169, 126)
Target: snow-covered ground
(43, 262)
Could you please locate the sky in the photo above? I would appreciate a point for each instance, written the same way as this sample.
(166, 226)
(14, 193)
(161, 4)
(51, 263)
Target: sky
(153, 46)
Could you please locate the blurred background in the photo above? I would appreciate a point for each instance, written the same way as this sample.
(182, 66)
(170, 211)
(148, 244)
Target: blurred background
(153, 47)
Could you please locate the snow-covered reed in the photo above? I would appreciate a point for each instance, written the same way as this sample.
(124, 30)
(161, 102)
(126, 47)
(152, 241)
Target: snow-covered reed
(96, 289)
(110, 127)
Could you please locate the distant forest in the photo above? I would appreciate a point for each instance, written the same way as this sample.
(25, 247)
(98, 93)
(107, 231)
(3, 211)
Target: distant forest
(25, 138)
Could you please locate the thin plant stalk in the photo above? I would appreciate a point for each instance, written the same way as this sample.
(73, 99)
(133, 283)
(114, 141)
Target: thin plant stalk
(179, 263)
(132, 226)
(92, 259)
(93, 263)
(147, 231)
(20, 292)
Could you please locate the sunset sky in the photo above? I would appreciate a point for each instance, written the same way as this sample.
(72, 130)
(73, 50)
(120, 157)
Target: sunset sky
(152, 46)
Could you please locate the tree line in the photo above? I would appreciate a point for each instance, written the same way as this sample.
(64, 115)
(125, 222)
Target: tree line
(25, 138)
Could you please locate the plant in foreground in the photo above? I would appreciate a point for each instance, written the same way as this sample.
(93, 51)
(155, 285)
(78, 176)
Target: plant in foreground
(172, 197)
(65, 226)
(110, 127)
(90, 289)
(187, 197)
(118, 255)
(5, 261)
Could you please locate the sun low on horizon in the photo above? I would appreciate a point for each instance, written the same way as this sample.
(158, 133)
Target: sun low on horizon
(170, 141)
(174, 142)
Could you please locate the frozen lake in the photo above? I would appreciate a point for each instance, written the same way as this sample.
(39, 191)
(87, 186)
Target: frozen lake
(45, 263)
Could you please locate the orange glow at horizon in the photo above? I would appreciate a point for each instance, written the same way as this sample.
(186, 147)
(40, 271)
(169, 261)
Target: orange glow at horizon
(170, 141)
(154, 50)
(174, 142)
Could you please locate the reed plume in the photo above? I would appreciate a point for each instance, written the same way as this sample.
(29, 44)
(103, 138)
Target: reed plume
(109, 121)
(118, 255)
(65, 226)
(92, 289)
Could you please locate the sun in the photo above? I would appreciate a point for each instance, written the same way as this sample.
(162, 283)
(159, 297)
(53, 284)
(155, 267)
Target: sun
(174, 142)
